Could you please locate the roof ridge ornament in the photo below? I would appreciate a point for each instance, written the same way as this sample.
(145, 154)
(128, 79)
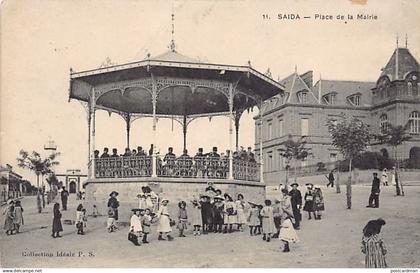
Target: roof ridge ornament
(172, 44)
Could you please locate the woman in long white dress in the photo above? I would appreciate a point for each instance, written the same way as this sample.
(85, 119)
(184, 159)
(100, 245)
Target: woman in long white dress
(164, 227)
(384, 178)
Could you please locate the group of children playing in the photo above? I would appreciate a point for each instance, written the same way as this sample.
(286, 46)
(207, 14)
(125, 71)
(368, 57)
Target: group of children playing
(212, 212)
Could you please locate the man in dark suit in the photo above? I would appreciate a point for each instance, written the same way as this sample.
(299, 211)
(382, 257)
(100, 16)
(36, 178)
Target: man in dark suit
(105, 153)
(64, 197)
(296, 202)
(331, 179)
(374, 193)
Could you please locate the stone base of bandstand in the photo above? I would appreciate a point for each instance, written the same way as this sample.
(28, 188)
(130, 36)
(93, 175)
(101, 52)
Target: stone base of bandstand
(97, 191)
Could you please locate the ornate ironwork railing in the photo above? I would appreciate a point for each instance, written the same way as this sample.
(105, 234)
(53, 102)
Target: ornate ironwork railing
(197, 167)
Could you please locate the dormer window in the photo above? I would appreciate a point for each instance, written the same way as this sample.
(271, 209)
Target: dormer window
(354, 99)
(303, 96)
(330, 98)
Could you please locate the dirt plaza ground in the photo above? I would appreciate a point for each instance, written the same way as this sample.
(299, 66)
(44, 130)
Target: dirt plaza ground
(332, 242)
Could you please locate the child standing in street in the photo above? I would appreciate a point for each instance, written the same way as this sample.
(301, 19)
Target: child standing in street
(287, 232)
(253, 220)
(136, 229)
(373, 246)
(111, 220)
(79, 219)
(164, 227)
(95, 211)
(196, 218)
(146, 221)
(182, 218)
(18, 220)
(267, 221)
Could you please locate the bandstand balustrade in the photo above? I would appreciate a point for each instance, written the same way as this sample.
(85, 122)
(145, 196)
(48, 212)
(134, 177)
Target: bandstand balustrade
(197, 167)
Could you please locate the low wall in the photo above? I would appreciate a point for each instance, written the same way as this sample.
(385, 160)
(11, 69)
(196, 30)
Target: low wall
(175, 189)
(359, 177)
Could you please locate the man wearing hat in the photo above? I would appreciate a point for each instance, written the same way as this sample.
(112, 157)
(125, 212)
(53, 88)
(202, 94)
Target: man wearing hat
(64, 197)
(169, 159)
(296, 201)
(113, 203)
(135, 227)
(374, 194)
(114, 153)
(105, 153)
(199, 162)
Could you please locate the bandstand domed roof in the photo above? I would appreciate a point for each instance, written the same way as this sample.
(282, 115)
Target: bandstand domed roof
(184, 86)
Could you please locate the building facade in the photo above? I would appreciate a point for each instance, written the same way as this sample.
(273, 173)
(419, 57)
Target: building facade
(11, 183)
(305, 108)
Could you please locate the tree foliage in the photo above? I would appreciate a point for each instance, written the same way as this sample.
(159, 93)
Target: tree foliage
(35, 163)
(294, 149)
(350, 136)
(394, 135)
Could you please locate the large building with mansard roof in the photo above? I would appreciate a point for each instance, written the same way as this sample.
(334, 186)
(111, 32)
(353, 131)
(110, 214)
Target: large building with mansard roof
(305, 107)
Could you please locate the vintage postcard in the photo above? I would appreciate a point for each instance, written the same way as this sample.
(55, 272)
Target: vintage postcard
(210, 134)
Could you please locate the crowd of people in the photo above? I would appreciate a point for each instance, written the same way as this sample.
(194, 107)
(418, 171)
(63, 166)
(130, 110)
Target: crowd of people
(215, 212)
(138, 163)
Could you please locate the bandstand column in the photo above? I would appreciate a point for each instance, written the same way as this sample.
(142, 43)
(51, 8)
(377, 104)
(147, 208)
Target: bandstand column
(93, 131)
(89, 120)
(154, 102)
(128, 125)
(184, 130)
(230, 99)
(261, 147)
(237, 118)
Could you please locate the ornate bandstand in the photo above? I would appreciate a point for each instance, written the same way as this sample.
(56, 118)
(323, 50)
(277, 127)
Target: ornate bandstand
(178, 87)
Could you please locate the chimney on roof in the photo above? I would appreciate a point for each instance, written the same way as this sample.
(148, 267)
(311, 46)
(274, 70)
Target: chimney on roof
(319, 89)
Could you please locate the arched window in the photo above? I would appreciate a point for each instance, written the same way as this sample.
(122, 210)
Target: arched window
(383, 122)
(410, 88)
(414, 122)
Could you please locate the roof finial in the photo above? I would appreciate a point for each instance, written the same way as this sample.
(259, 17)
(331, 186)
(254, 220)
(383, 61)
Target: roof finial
(406, 40)
(295, 68)
(397, 40)
(268, 73)
(172, 44)
(249, 63)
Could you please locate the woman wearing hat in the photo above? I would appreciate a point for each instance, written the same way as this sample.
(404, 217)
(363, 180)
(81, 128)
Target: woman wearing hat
(164, 227)
(309, 200)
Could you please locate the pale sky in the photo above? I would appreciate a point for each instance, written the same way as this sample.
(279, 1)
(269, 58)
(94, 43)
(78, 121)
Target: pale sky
(41, 40)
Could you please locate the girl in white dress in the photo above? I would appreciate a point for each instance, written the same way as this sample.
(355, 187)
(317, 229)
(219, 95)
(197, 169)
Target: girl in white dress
(267, 221)
(240, 209)
(230, 213)
(164, 227)
(287, 232)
